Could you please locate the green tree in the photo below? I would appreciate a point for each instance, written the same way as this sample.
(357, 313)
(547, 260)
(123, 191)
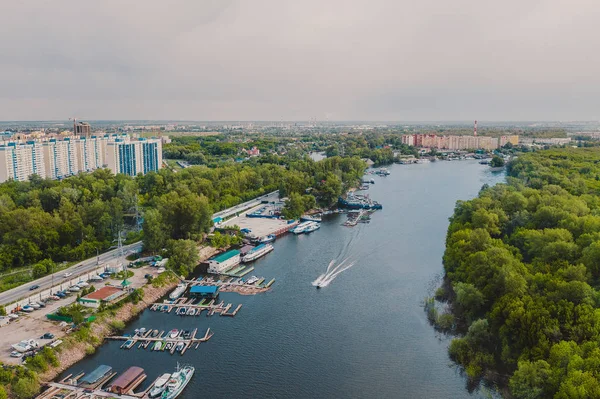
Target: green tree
(183, 256)
(154, 231)
(25, 388)
(497, 162)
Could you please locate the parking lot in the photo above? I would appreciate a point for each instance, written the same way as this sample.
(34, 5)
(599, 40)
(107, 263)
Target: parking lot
(35, 324)
(259, 227)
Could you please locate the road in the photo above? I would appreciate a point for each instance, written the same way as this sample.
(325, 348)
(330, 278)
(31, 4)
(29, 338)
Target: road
(273, 196)
(80, 268)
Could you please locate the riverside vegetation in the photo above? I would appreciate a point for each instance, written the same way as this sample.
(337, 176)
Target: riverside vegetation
(522, 265)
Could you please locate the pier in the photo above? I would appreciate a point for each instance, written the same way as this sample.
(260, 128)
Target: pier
(168, 343)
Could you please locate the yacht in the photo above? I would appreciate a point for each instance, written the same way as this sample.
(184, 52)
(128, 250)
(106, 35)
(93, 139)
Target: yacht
(160, 385)
(178, 291)
(178, 381)
(313, 218)
(257, 252)
(300, 228)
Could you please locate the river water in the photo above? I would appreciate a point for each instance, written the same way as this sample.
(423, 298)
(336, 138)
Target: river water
(363, 336)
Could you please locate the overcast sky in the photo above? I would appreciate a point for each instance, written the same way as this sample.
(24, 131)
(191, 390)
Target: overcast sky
(296, 60)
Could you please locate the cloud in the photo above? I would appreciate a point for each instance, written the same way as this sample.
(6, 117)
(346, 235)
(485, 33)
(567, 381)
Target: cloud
(257, 60)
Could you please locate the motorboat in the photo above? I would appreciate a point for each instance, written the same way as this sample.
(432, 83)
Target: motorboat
(173, 333)
(74, 288)
(191, 312)
(160, 385)
(179, 347)
(27, 309)
(181, 311)
(268, 239)
(312, 227)
(154, 334)
(35, 305)
(178, 382)
(300, 228)
(178, 291)
(252, 280)
(82, 284)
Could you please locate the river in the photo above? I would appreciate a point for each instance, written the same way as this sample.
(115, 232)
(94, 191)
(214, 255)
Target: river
(363, 336)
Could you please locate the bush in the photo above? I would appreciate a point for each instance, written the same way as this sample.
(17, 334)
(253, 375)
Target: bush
(25, 388)
(116, 325)
(445, 321)
(90, 350)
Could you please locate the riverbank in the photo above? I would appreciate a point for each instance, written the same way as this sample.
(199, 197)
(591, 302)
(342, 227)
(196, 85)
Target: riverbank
(75, 349)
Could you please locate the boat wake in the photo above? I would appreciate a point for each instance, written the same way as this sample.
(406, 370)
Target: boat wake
(332, 272)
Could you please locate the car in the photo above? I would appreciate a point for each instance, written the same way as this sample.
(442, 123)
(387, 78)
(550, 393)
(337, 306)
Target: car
(34, 287)
(67, 274)
(47, 336)
(15, 354)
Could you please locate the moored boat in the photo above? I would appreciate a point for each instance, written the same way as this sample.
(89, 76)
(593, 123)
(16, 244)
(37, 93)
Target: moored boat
(178, 382)
(267, 239)
(173, 333)
(160, 385)
(257, 252)
(312, 227)
(300, 228)
(178, 291)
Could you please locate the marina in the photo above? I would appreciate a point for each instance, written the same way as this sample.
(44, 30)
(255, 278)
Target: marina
(276, 341)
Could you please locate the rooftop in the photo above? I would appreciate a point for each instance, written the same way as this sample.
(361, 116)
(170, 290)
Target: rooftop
(96, 375)
(226, 255)
(204, 289)
(103, 293)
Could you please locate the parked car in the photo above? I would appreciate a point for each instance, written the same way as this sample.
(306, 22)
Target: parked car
(47, 336)
(34, 287)
(15, 354)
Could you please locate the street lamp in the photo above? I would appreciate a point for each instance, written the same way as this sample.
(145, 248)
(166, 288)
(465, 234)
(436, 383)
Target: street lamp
(97, 257)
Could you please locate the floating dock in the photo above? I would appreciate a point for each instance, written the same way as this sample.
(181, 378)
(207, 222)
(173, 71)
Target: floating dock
(171, 342)
(243, 273)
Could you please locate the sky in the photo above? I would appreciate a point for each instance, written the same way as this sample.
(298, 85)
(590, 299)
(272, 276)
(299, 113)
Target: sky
(392, 60)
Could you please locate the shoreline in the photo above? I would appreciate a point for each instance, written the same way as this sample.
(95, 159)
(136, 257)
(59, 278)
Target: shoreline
(100, 329)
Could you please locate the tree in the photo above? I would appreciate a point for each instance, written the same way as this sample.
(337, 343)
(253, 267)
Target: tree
(25, 388)
(183, 256)
(530, 381)
(154, 231)
(497, 162)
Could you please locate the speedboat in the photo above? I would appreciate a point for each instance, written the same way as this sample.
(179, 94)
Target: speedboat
(191, 312)
(267, 239)
(179, 347)
(173, 333)
(312, 227)
(35, 305)
(182, 311)
(82, 284)
(74, 289)
(160, 385)
(27, 309)
(154, 333)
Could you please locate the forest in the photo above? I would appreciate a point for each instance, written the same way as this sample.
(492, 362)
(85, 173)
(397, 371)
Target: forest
(522, 265)
(43, 222)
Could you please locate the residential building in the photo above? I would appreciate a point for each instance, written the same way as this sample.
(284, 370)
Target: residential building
(132, 157)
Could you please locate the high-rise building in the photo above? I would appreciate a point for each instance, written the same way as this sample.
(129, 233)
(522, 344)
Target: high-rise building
(81, 129)
(56, 159)
(132, 157)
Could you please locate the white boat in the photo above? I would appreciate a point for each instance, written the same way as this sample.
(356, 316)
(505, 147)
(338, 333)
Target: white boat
(300, 228)
(178, 382)
(160, 385)
(178, 291)
(313, 218)
(25, 345)
(312, 227)
(252, 280)
(173, 333)
(96, 278)
(27, 309)
(257, 252)
(35, 305)
(82, 284)
(74, 288)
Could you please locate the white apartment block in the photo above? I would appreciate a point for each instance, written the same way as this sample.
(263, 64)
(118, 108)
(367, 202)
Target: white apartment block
(56, 159)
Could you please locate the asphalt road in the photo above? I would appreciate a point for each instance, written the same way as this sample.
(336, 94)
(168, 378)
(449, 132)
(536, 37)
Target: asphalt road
(80, 268)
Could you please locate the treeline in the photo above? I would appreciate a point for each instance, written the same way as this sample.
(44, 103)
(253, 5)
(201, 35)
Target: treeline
(47, 221)
(522, 266)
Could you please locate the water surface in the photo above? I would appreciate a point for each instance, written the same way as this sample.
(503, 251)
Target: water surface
(363, 336)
